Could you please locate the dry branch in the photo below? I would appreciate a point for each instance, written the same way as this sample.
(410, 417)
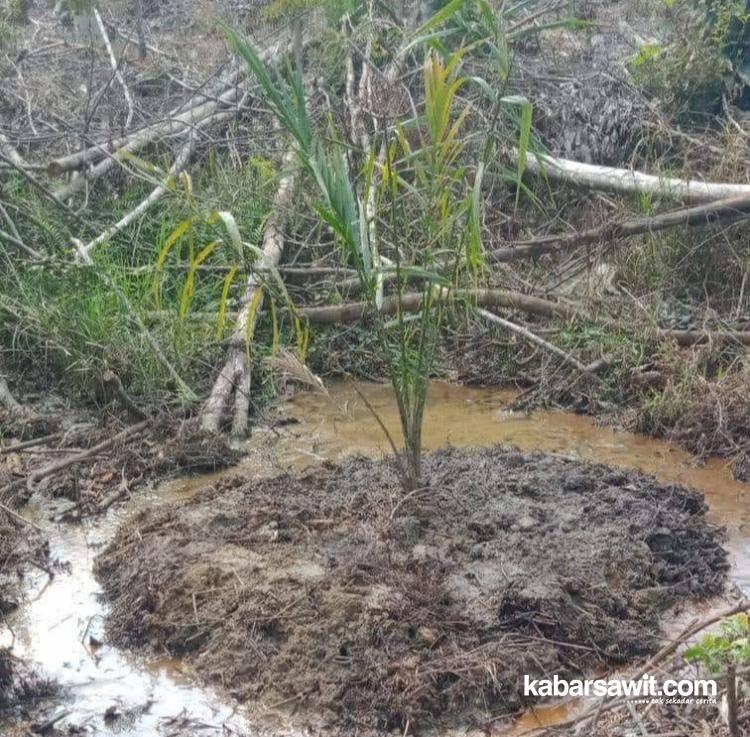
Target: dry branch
(181, 120)
(627, 180)
(84, 251)
(115, 66)
(42, 473)
(533, 338)
(592, 712)
(16, 447)
(14, 516)
(234, 379)
(728, 210)
(349, 312)
(178, 124)
(355, 311)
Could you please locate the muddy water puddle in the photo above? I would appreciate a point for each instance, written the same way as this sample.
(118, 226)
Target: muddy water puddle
(107, 691)
(60, 629)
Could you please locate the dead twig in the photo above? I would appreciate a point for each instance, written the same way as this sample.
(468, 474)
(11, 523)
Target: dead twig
(533, 338)
(43, 473)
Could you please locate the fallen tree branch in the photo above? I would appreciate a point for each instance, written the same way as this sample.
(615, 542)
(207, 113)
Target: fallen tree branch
(115, 65)
(111, 380)
(533, 338)
(727, 210)
(138, 142)
(84, 251)
(628, 180)
(180, 121)
(354, 311)
(29, 443)
(14, 236)
(177, 124)
(234, 379)
(19, 518)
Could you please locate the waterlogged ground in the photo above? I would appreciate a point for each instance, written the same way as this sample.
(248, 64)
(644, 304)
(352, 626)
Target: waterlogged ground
(106, 690)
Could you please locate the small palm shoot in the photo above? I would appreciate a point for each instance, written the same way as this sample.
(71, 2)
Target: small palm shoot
(424, 208)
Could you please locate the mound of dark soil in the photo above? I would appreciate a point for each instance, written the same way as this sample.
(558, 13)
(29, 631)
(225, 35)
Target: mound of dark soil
(334, 592)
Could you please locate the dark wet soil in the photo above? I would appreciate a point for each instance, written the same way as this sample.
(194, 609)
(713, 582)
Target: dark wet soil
(333, 594)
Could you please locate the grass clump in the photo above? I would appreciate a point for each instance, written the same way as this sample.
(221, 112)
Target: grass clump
(173, 278)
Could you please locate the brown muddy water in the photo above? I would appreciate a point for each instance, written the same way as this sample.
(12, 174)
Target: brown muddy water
(61, 626)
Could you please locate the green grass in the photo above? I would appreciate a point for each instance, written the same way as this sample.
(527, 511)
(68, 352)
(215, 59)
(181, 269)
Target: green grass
(77, 321)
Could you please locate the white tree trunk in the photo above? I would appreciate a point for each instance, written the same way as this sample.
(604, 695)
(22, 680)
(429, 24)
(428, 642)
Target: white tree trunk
(234, 379)
(627, 180)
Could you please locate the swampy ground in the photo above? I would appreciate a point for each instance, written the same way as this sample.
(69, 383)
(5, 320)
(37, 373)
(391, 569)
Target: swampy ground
(324, 597)
(304, 582)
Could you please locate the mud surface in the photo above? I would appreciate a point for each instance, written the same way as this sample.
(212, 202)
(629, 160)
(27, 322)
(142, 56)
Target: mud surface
(330, 593)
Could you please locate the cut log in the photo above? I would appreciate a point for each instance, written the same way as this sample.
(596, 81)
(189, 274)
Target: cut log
(628, 180)
(234, 379)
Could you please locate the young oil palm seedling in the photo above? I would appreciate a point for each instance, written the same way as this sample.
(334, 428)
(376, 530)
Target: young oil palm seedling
(406, 215)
